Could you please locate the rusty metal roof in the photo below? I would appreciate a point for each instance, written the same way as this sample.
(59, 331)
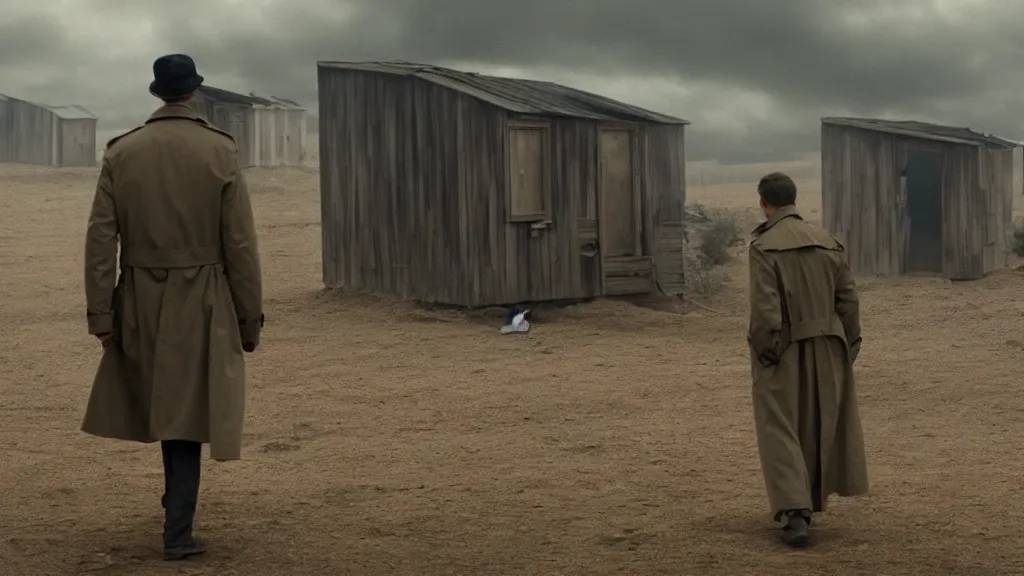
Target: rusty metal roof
(516, 94)
(924, 130)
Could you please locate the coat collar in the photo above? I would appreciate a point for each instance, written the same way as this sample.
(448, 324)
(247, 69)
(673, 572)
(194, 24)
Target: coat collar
(776, 217)
(176, 111)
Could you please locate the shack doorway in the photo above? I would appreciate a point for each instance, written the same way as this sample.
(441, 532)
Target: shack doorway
(924, 203)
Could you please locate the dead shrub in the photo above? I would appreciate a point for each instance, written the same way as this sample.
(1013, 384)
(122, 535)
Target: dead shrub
(720, 232)
(701, 276)
(698, 211)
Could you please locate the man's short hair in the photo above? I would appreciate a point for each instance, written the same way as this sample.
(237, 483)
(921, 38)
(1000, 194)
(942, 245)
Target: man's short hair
(777, 190)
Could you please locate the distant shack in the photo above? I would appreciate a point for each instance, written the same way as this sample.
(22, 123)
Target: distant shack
(269, 131)
(472, 190)
(57, 136)
(912, 197)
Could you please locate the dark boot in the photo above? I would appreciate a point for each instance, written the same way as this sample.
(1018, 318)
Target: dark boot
(183, 551)
(165, 450)
(797, 531)
(181, 467)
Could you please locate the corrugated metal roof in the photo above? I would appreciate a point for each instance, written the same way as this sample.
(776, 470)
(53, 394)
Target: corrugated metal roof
(516, 94)
(287, 103)
(230, 97)
(925, 130)
(68, 112)
(221, 95)
(71, 112)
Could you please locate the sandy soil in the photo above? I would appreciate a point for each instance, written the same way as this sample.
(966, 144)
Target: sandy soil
(385, 438)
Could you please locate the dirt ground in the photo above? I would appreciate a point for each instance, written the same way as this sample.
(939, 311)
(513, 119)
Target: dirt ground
(386, 438)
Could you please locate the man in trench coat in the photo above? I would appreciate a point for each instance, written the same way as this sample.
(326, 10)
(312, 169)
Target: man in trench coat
(188, 299)
(804, 338)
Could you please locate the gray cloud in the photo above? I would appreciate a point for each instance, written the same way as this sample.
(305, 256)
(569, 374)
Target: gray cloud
(753, 76)
(31, 40)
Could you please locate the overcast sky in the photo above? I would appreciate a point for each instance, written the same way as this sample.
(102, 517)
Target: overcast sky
(754, 76)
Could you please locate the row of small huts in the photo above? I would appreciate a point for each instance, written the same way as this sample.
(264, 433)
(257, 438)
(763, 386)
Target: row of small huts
(467, 189)
(269, 131)
(473, 190)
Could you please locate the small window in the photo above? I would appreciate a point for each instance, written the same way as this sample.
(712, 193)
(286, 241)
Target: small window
(529, 169)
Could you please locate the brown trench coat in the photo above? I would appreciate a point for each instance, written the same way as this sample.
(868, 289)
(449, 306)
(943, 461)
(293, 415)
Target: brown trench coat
(804, 337)
(173, 194)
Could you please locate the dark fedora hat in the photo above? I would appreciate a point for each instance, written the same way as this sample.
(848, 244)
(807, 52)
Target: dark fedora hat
(174, 76)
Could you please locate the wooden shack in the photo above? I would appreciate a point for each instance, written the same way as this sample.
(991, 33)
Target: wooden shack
(269, 131)
(473, 190)
(57, 136)
(912, 197)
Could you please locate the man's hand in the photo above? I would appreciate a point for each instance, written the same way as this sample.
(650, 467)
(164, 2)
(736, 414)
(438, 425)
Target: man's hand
(106, 339)
(249, 331)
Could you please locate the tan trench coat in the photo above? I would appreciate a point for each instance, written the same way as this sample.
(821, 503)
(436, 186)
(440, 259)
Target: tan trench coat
(804, 337)
(172, 193)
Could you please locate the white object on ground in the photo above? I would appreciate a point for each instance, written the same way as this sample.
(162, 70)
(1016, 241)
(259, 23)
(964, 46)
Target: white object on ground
(519, 323)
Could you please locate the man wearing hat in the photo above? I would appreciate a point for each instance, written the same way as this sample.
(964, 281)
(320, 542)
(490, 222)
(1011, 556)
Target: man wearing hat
(188, 300)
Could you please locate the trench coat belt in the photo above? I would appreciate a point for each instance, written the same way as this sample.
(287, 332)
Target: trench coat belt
(815, 328)
(173, 258)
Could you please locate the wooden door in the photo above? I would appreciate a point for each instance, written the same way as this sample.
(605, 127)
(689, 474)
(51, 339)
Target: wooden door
(625, 269)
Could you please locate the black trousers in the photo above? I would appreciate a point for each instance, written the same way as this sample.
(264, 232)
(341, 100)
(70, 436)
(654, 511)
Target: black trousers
(182, 460)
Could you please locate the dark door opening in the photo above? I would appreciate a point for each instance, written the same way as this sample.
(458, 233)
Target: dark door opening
(924, 204)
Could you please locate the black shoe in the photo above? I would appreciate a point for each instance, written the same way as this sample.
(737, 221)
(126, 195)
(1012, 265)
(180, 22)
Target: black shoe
(163, 501)
(183, 551)
(796, 533)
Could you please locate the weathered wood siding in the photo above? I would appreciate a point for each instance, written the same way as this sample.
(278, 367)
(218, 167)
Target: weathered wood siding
(267, 136)
(278, 137)
(77, 138)
(291, 137)
(30, 133)
(998, 190)
(864, 203)
(552, 263)
(406, 168)
(664, 183)
(5, 130)
(860, 191)
(235, 119)
(34, 134)
(415, 197)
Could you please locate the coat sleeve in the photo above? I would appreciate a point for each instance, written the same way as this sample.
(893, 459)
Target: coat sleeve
(848, 307)
(101, 238)
(765, 335)
(241, 255)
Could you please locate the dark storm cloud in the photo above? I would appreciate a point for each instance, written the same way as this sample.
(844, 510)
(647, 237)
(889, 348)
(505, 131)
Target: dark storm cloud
(798, 49)
(812, 57)
(802, 58)
(30, 40)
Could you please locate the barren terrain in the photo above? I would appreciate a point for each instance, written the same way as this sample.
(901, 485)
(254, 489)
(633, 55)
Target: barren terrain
(384, 438)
